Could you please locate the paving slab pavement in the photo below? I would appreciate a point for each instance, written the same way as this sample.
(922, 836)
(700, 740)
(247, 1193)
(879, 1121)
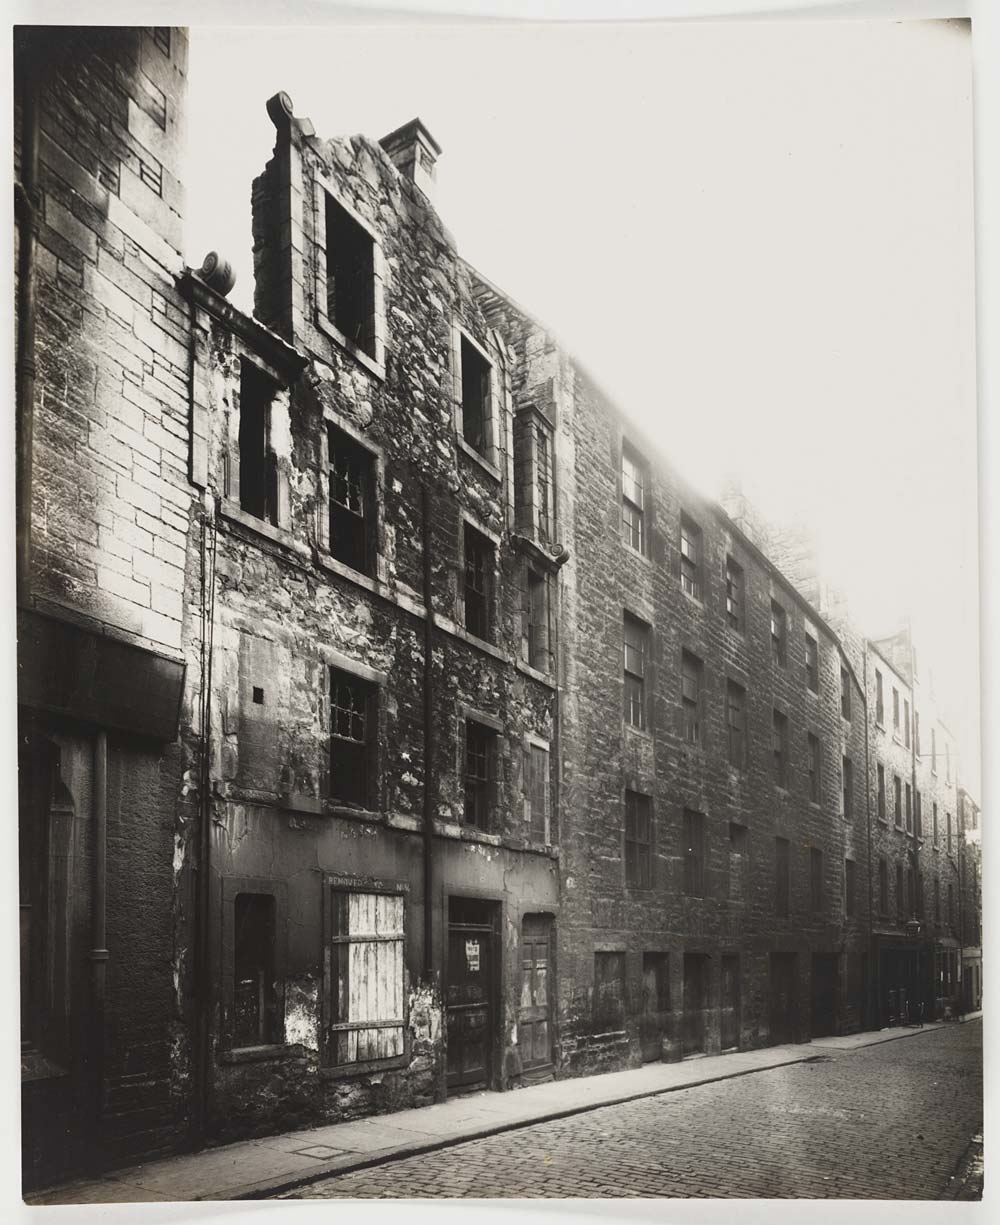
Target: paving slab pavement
(253, 1169)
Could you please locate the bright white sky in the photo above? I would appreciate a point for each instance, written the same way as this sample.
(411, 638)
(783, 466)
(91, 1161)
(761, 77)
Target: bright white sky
(757, 237)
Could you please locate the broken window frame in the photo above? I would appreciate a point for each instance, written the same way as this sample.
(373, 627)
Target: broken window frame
(258, 472)
(638, 838)
(358, 714)
(352, 481)
(336, 1030)
(371, 352)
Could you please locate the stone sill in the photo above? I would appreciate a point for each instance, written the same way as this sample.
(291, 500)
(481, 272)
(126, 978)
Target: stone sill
(640, 732)
(348, 1070)
(487, 465)
(277, 535)
(360, 356)
(456, 631)
(261, 1054)
(693, 599)
(543, 678)
(633, 552)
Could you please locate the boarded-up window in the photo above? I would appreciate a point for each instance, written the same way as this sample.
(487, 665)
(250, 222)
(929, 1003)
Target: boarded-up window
(609, 990)
(536, 766)
(367, 1010)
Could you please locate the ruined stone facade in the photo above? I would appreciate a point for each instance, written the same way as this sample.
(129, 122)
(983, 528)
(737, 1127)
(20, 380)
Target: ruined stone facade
(416, 727)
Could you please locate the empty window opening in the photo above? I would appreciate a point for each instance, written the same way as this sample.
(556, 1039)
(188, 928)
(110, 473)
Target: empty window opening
(350, 277)
(352, 739)
(352, 526)
(638, 840)
(258, 466)
(479, 562)
(536, 649)
(779, 633)
(480, 774)
(812, 663)
(476, 424)
(255, 1010)
(258, 695)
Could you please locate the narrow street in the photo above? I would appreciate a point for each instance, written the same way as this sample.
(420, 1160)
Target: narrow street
(891, 1121)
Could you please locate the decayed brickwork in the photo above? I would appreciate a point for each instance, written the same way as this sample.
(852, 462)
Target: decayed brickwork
(190, 464)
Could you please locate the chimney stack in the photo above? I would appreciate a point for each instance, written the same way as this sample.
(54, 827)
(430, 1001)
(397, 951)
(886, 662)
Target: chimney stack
(414, 152)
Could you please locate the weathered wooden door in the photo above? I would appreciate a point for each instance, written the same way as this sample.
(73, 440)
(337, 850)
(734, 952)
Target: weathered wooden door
(533, 1013)
(695, 993)
(471, 997)
(730, 1002)
(655, 1005)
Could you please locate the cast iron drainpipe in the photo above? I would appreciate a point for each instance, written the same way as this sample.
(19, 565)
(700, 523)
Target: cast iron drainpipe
(98, 937)
(429, 742)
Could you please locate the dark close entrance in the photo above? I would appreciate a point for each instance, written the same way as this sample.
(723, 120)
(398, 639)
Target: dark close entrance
(471, 992)
(655, 1005)
(695, 999)
(823, 1021)
(730, 1001)
(533, 1017)
(784, 998)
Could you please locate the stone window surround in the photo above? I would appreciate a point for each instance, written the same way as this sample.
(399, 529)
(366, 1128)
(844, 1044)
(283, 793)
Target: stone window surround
(646, 791)
(377, 453)
(463, 714)
(332, 658)
(374, 365)
(626, 448)
(231, 886)
(529, 740)
(536, 418)
(491, 463)
(231, 473)
(362, 884)
(465, 518)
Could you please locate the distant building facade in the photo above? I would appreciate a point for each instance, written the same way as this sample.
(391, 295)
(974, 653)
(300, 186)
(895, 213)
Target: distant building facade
(395, 721)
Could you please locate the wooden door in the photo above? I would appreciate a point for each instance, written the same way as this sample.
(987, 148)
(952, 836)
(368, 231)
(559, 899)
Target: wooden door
(655, 1005)
(533, 1013)
(695, 976)
(470, 1005)
(730, 1002)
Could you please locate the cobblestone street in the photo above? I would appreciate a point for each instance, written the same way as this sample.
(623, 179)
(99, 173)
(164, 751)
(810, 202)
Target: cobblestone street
(886, 1122)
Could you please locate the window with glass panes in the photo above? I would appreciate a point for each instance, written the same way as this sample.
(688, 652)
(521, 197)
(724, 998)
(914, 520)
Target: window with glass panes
(636, 635)
(538, 792)
(691, 674)
(480, 769)
(633, 501)
(734, 595)
(352, 534)
(543, 481)
(779, 633)
(736, 723)
(690, 557)
(479, 563)
(352, 739)
(812, 663)
(638, 840)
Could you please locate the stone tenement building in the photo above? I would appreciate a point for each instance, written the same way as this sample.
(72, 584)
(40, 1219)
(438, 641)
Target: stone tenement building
(394, 719)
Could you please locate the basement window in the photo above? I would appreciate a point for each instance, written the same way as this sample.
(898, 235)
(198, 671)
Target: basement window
(258, 469)
(478, 588)
(476, 387)
(367, 988)
(353, 717)
(480, 774)
(352, 502)
(255, 998)
(350, 277)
